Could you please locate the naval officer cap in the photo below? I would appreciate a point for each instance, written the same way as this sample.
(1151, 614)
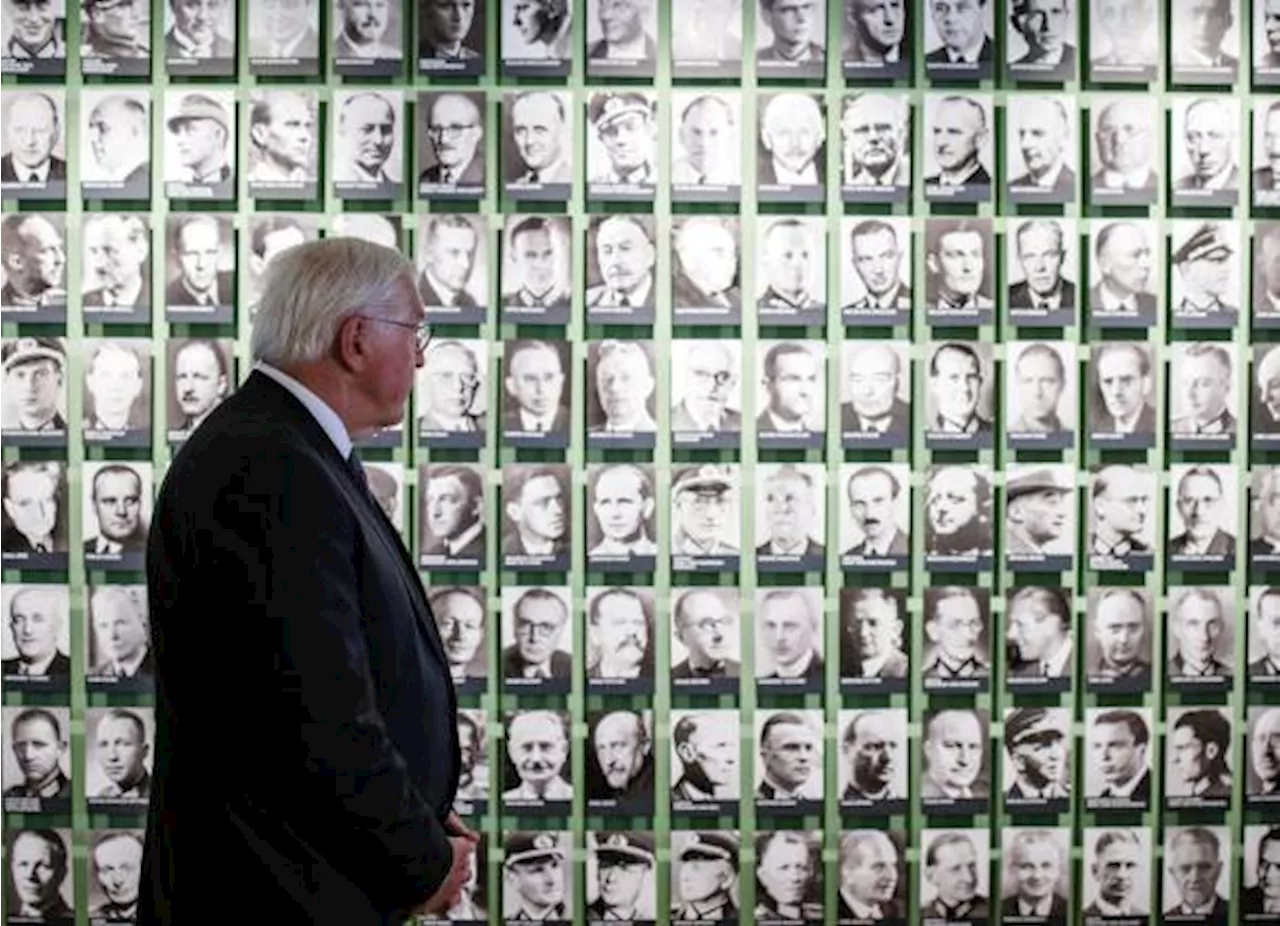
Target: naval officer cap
(709, 478)
(711, 847)
(29, 350)
(1206, 243)
(524, 848)
(608, 108)
(624, 848)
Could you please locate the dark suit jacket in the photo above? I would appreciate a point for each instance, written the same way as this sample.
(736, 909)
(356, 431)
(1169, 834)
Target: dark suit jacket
(259, 516)
(430, 297)
(135, 544)
(1252, 900)
(977, 178)
(472, 174)
(888, 910)
(897, 546)
(1104, 422)
(601, 49)
(939, 55)
(176, 293)
(1264, 178)
(511, 420)
(1065, 185)
(222, 48)
(513, 665)
(899, 418)
(1057, 908)
(812, 549)
(1217, 916)
(1035, 57)
(1020, 295)
(473, 550)
(1222, 544)
(685, 293)
(57, 169)
(765, 165)
(60, 665)
(731, 670)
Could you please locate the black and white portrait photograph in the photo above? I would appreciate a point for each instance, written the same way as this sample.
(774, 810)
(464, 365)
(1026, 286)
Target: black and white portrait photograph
(283, 144)
(284, 38)
(706, 146)
(116, 268)
(269, 235)
(200, 262)
(115, 38)
(118, 655)
(875, 394)
(1040, 395)
(536, 259)
(620, 394)
(791, 154)
(451, 37)
(960, 402)
(788, 872)
(622, 878)
(1124, 41)
(1121, 517)
(1042, 45)
(538, 145)
(116, 513)
(387, 484)
(200, 144)
(1204, 389)
(384, 230)
(1125, 169)
(955, 876)
(367, 37)
(537, 510)
(1206, 149)
(1206, 288)
(537, 37)
(1266, 43)
(1119, 631)
(706, 390)
(706, 644)
(620, 769)
(875, 517)
(1198, 767)
(1264, 637)
(117, 391)
(959, 40)
(705, 768)
(1266, 147)
(622, 145)
(36, 649)
(874, 640)
(451, 142)
(1117, 761)
(537, 639)
(33, 156)
(1037, 760)
(1041, 143)
(1201, 637)
(706, 283)
(33, 254)
(956, 774)
(1117, 874)
(873, 877)
(706, 530)
(536, 386)
(1121, 395)
(40, 886)
(115, 874)
(1039, 517)
(621, 38)
(1197, 874)
(791, 282)
(789, 639)
(33, 38)
(115, 144)
(789, 517)
(704, 876)
(789, 761)
(537, 876)
(960, 271)
(877, 39)
(1035, 881)
(453, 268)
(872, 766)
(957, 632)
(1204, 41)
(461, 613)
(791, 39)
(35, 523)
(1262, 784)
(118, 758)
(959, 158)
(200, 38)
(706, 39)
(875, 141)
(1264, 398)
(452, 393)
(201, 375)
(33, 411)
(1260, 885)
(791, 394)
(537, 773)
(958, 529)
(1122, 285)
(37, 759)
(475, 777)
(622, 259)
(1039, 639)
(451, 519)
(620, 647)
(875, 270)
(368, 144)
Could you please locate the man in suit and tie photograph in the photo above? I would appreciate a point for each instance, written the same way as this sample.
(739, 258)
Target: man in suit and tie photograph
(34, 516)
(791, 514)
(1040, 251)
(194, 33)
(961, 30)
(1199, 503)
(116, 870)
(626, 29)
(1193, 856)
(197, 255)
(1209, 138)
(366, 133)
(792, 150)
(1121, 640)
(1039, 633)
(1266, 175)
(284, 31)
(623, 386)
(711, 382)
(623, 257)
(958, 512)
(1036, 876)
(950, 873)
(115, 499)
(790, 766)
(873, 747)
(444, 26)
(116, 142)
(540, 130)
(1039, 376)
(1263, 897)
(705, 269)
(452, 380)
(116, 269)
(538, 619)
(872, 639)
(1203, 372)
(1266, 633)
(1265, 404)
(957, 127)
(874, 381)
(869, 883)
(1123, 256)
(955, 389)
(620, 634)
(1124, 136)
(33, 129)
(955, 624)
(37, 615)
(282, 137)
(705, 149)
(875, 130)
(1043, 137)
(1124, 34)
(34, 255)
(789, 635)
(1121, 398)
(703, 623)
(121, 632)
(454, 130)
(534, 387)
(450, 246)
(1046, 27)
(704, 747)
(452, 521)
(537, 511)
(1119, 864)
(365, 31)
(955, 756)
(538, 754)
(1118, 740)
(1264, 752)
(1199, 28)
(793, 384)
(1037, 742)
(117, 397)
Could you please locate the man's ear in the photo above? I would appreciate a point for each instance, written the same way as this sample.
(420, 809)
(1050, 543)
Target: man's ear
(351, 346)
(513, 512)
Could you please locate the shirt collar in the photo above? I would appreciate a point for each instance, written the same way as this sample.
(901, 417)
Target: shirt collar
(457, 544)
(1057, 663)
(860, 910)
(806, 176)
(969, 55)
(1127, 789)
(324, 415)
(797, 670)
(40, 172)
(188, 46)
(529, 422)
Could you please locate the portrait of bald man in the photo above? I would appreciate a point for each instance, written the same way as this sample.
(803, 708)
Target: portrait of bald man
(706, 156)
(956, 771)
(33, 155)
(1041, 146)
(705, 641)
(873, 884)
(200, 377)
(35, 648)
(451, 37)
(115, 873)
(33, 253)
(876, 38)
(621, 37)
(1204, 392)
(1121, 516)
(451, 144)
(1123, 273)
(36, 39)
(115, 144)
(284, 38)
(620, 762)
(199, 37)
(537, 144)
(1125, 150)
(791, 38)
(1124, 40)
(1042, 44)
(791, 154)
(537, 766)
(1119, 644)
(1204, 41)
(368, 132)
(875, 143)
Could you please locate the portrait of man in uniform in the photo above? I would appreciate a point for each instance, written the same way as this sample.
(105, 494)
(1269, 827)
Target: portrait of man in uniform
(1198, 755)
(1037, 743)
(1208, 287)
(35, 400)
(953, 876)
(624, 152)
(39, 741)
(955, 624)
(40, 882)
(37, 35)
(537, 877)
(624, 866)
(535, 273)
(704, 879)
(1119, 643)
(788, 873)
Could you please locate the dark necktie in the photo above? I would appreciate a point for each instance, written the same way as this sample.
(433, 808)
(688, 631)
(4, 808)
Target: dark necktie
(533, 177)
(356, 469)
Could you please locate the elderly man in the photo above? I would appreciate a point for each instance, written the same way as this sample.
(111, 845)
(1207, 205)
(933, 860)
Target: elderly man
(37, 614)
(872, 746)
(1124, 138)
(790, 513)
(1038, 866)
(1264, 751)
(624, 384)
(1209, 135)
(625, 257)
(702, 622)
(194, 33)
(34, 491)
(34, 370)
(1200, 506)
(33, 129)
(1044, 138)
(1038, 512)
(38, 32)
(623, 753)
(876, 129)
(1117, 865)
(39, 864)
(707, 876)
(35, 259)
(711, 379)
(121, 632)
(958, 512)
(624, 875)
(452, 380)
(201, 130)
(1193, 856)
(539, 129)
(117, 869)
(1266, 176)
(1119, 627)
(787, 873)
(706, 746)
(624, 31)
(1199, 26)
(1266, 399)
(875, 379)
(115, 29)
(706, 266)
(619, 630)
(961, 28)
(455, 136)
(957, 130)
(873, 635)
(116, 272)
(117, 143)
(869, 864)
(364, 26)
(460, 613)
(366, 134)
(538, 749)
(792, 137)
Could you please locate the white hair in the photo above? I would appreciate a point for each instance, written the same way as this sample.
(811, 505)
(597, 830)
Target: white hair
(310, 289)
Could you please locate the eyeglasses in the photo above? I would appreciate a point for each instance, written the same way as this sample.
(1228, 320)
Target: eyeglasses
(421, 330)
(453, 129)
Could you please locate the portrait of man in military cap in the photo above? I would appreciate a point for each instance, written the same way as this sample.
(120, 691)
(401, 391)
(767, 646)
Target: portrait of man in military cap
(1206, 282)
(115, 37)
(704, 876)
(625, 868)
(788, 875)
(1037, 760)
(704, 519)
(35, 389)
(200, 143)
(537, 875)
(622, 151)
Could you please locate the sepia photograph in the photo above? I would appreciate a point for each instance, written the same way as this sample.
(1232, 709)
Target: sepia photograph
(451, 517)
(536, 769)
(1040, 517)
(789, 766)
(1204, 41)
(452, 37)
(706, 645)
(200, 144)
(1036, 875)
(367, 154)
(201, 374)
(788, 872)
(1044, 42)
(875, 517)
(200, 38)
(1125, 136)
(791, 262)
(115, 38)
(1122, 286)
(620, 394)
(1043, 267)
(1117, 873)
(790, 394)
(283, 148)
(957, 634)
(872, 765)
(33, 39)
(1198, 874)
(537, 384)
(537, 145)
(789, 517)
(537, 510)
(284, 39)
(33, 249)
(705, 774)
(451, 393)
(960, 271)
(536, 265)
(622, 146)
(1040, 390)
(1203, 392)
(451, 144)
(960, 398)
(116, 514)
(875, 394)
(1119, 636)
(117, 391)
(621, 38)
(1121, 395)
(876, 39)
(537, 876)
(956, 774)
(453, 268)
(1206, 288)
(33, 410)
(706, 146)
(36, 650)
(706, 40)
(34, 518)
(368, 37)
(620, 647)
(1264, 637)
(536, 36)
(537, 640)
(1207, 148)
(200, 287)
(959, 41)
(1198, 767)
(1042, 140)
(1124, 41)
(706, 388)
(791, 38)
(706, 283)
(47, 893)
(37, 759)
(461, 613)
(958, 531)
(622, 259)
(1037, 760)
(789, 640)
(1039, 647)
(1117, 760)
(874, 640)
(115, 145)
(622, 878)
(791, 153)
(704, 876)
(118, 758)
(706, 530)
(955, 876)
(875, 141)
(33, 155)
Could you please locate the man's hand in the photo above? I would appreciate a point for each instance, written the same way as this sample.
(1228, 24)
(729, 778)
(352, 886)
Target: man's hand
(447, 894)
(454, 826)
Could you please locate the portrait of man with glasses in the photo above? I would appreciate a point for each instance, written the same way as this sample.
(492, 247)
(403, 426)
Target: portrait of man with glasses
(451, 143)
